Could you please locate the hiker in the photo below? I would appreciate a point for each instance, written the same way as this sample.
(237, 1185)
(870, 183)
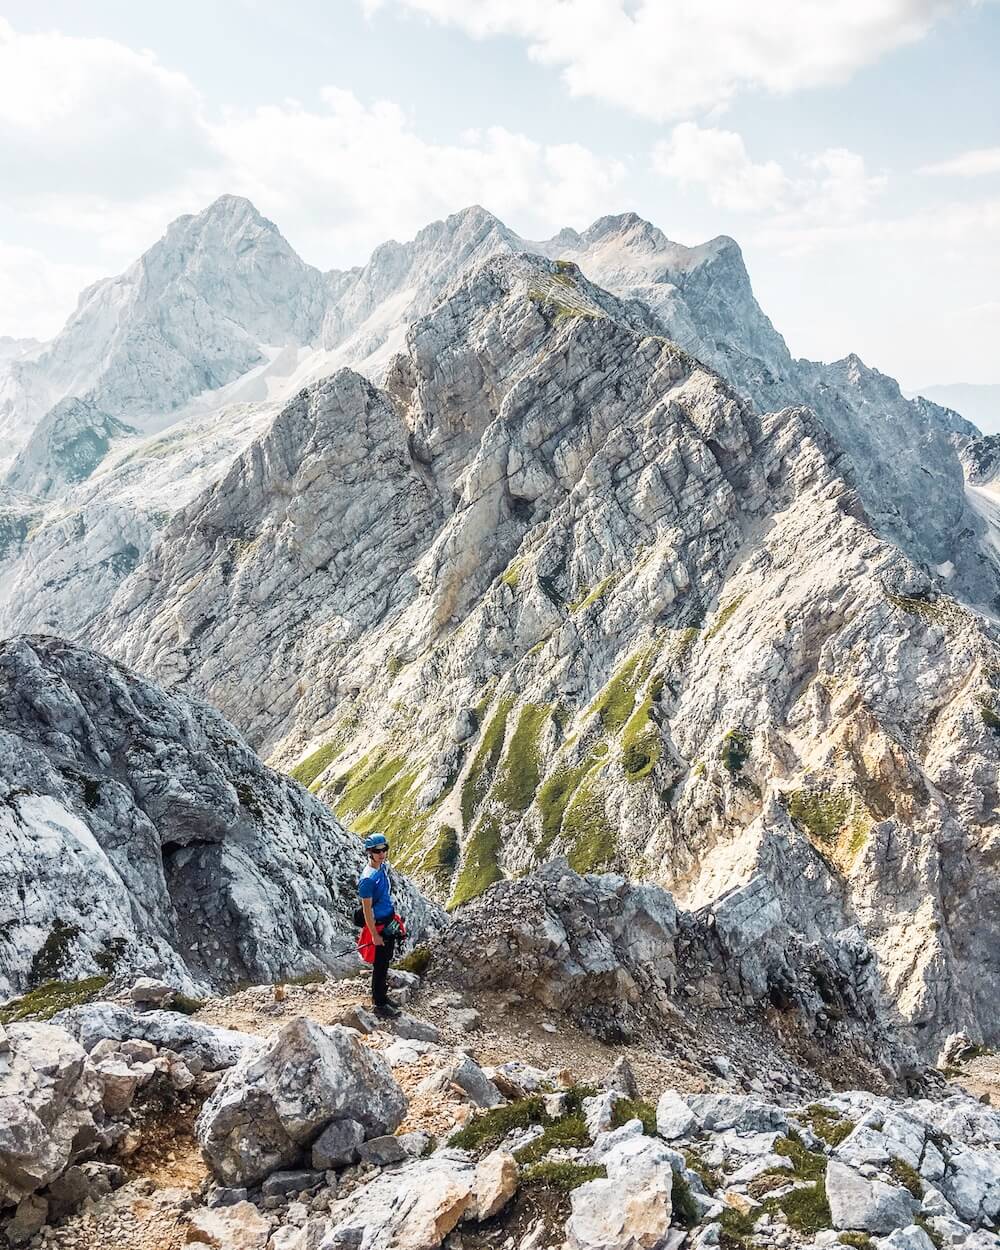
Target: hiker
(381, 924)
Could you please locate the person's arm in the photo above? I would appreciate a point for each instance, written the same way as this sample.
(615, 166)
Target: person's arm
(366, 907)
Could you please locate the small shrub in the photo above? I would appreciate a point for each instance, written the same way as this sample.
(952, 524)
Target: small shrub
(806, 1210)
(562, 1176)
(735, 750)
(568, 1130)
(766, 1184)
(416, 961)
(807, 1165)
(736, 1228)
(860, 1241)
(109, 958)
(52, 956)
(685, 1210)
(906, 1175)
(710, 1178)
(931, 1232)
(486, 1131)
(635, 1109)
(826, 1124)
(186, 1005)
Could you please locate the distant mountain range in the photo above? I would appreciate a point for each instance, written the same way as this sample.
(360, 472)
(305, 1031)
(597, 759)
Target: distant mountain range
(978, 403)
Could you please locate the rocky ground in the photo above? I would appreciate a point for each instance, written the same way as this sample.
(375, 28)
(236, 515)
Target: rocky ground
(729, 1097)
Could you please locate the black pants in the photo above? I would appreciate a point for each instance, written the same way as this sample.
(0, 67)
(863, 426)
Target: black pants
(380, 971)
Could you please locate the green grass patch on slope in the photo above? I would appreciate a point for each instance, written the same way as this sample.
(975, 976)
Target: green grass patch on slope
(641, 743)
(828, 1126)
(587, 597)
(442, 857)
(480, 861)
(379, 794)
(723, 616)
(43, 1002)
(615, 703)
(564, 1176)
(519, 773)
(591, 841)
(821, 813)
(480, 775)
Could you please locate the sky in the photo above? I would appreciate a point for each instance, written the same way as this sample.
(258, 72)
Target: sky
(851, 149)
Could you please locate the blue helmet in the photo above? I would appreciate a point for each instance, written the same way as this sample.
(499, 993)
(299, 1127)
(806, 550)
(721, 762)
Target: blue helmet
(376, 842)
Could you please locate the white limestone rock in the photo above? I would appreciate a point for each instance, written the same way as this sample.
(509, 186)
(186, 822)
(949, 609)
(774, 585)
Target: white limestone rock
(155, 837)
(866, 1205)
(269, 1108)
(50, 1107)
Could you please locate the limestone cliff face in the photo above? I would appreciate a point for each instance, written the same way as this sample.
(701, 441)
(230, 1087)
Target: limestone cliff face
(138, 831)
(558, 589)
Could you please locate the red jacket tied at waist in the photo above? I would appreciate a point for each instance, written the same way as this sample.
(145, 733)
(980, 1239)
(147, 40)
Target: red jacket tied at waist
(366, 947)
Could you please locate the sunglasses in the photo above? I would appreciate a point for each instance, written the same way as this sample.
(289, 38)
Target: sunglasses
(379, 850)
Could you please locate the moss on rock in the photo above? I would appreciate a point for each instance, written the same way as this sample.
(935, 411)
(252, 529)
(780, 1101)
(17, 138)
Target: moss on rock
(45, 1000)
(822, 813)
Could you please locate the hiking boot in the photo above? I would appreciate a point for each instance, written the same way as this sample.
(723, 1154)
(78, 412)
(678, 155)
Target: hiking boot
(387, 1011)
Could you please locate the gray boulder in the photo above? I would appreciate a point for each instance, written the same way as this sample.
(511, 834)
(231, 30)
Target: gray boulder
(50, 1105)
(415, 1206)
(269, 1109)
(337, 1145)
(716, 1112)
(912, 1237)
(866, 1205)
(215, 1047)
(674, 1118)
(972, 1184)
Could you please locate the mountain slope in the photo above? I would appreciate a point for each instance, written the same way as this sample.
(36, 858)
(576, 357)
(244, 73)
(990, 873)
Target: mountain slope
(558, 589)
(904, 455)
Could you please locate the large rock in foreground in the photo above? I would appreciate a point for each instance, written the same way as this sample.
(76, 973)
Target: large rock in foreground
(269, 1109)
(50, 1107)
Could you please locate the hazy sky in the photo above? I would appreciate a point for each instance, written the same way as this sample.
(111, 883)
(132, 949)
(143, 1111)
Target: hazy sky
(852, 148)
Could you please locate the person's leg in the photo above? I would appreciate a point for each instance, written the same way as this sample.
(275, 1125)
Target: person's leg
(380, 972)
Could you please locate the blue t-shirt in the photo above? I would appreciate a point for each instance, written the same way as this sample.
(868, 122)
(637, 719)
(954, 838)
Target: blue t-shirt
(374, 884)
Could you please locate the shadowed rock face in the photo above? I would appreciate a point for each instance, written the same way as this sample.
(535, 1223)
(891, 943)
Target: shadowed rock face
(138, 830)
(620, 959)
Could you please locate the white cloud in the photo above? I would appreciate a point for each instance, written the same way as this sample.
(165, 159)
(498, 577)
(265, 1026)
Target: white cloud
(102, 142)
(38, 294)
(973, 164)
(832, 186)
(344, 178)
(76, 113)
(666, 59)
(718, 160)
